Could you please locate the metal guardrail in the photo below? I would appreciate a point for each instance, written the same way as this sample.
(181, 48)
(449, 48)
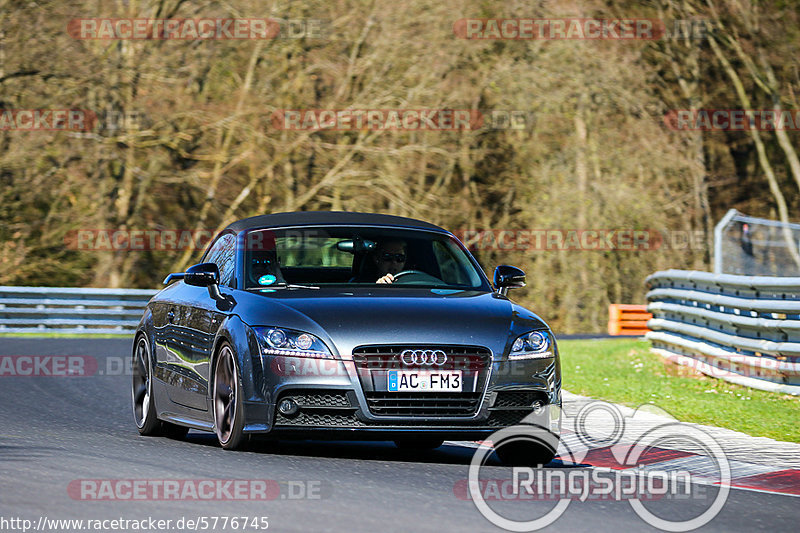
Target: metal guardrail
(71, 310)
(743, 329)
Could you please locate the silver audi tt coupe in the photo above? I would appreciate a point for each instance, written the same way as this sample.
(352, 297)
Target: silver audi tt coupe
(341, 325)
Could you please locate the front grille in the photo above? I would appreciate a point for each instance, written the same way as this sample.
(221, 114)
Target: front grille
(318, 408)
(511, 407)
(318, 398)
(470, 358)
(343, 419)
(518, 399)
(372, 362)
(320, 419)
(505, 418)
(326, 408)
(423, 404)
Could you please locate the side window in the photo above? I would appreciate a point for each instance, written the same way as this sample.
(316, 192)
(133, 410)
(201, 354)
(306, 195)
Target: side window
(451, 273)
(454, 265)
(223, 255)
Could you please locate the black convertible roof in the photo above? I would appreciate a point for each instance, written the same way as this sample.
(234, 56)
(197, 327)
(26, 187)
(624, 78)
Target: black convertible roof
(313, 218)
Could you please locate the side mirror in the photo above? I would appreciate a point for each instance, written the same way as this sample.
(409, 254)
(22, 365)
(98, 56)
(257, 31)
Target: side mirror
(508, 277)
(200, 275)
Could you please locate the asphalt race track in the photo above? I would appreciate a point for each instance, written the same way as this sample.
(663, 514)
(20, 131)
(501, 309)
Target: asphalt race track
(56, 431)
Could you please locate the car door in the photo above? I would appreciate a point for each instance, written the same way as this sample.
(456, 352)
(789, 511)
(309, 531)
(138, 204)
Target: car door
(169, 347)
(201, 320)
(177, 363)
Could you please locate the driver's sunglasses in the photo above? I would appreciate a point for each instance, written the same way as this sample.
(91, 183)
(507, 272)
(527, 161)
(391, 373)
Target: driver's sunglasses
(397, 258)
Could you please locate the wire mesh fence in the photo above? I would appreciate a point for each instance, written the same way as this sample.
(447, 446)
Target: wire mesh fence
(752, 246)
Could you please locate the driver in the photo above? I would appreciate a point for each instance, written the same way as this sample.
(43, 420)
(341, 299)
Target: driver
(390, 259)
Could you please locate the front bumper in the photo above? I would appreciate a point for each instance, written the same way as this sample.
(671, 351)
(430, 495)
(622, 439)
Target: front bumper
(334, 397)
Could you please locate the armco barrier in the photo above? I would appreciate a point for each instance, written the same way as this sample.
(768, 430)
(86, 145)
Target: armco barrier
(743, 329)
(71, 310)
(628, 319)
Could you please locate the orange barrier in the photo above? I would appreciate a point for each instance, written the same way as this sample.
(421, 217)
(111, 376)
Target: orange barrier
(628, 319)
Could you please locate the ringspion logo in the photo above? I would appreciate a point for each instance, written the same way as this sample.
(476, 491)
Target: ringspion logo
(634, 474)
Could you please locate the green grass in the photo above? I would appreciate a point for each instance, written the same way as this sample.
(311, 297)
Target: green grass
(624, 371)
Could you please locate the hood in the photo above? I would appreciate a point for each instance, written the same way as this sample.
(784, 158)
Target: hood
(347, 318)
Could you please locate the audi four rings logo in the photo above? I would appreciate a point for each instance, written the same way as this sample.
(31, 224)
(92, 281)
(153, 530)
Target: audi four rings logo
(423, 357)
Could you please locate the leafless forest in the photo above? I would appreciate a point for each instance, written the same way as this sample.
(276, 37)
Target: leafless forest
(185, 137)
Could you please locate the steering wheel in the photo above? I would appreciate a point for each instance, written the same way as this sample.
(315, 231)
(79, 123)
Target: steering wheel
(409, 272)
(418, 276)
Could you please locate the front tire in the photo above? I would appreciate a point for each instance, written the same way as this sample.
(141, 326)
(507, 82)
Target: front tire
(227, 404)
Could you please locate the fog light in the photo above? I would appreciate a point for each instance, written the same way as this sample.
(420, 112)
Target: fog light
(537, 407)
(288, 407)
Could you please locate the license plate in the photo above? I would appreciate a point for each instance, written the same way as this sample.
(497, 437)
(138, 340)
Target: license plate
(424, 381)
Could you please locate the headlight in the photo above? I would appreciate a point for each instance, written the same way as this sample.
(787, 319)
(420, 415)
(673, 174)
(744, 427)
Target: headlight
(533, 345)
(282, 341)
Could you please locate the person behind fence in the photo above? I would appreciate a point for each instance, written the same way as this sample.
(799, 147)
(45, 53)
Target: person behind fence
(747, 240)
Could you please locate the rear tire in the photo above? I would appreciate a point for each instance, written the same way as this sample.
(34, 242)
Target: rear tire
(144, 409)
(145, 413)
(418, 444)
(227, 400)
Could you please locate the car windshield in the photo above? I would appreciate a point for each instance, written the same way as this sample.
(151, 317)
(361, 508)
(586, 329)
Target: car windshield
(357, 256)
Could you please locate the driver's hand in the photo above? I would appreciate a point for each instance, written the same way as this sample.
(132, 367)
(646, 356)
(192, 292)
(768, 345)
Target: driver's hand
(388, 278)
